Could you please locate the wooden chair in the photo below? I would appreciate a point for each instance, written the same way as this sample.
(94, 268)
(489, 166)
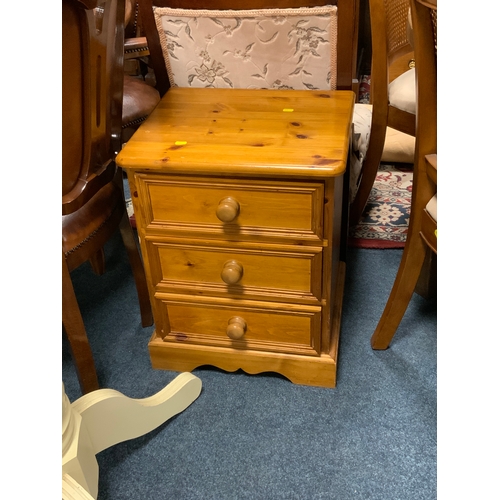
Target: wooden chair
(139, 97)
(347, 31)
(93, 204)
(422, 233)
(393, 103)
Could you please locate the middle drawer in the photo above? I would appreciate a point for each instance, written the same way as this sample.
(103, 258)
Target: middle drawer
(230, 267)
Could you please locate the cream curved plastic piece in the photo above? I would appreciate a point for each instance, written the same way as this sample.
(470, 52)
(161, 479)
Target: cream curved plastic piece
(103, 418)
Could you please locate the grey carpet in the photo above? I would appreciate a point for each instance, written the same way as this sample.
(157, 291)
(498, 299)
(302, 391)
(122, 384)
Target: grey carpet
(260, 436)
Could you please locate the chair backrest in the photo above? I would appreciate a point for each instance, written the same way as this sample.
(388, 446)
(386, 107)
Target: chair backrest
(424, 15)
(346, 31)
(92, 93)
(390, 32)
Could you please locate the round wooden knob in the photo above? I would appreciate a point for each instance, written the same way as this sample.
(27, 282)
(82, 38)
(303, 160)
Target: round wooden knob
(228, 209)
(236, 327)
(231, 272)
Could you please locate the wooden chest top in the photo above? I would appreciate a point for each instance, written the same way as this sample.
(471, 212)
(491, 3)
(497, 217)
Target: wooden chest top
(233, 132)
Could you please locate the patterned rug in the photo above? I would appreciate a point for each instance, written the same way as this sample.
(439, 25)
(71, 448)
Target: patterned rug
(385, 220)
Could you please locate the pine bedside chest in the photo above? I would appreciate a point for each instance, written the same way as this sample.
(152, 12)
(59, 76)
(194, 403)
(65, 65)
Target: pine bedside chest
(238, 197)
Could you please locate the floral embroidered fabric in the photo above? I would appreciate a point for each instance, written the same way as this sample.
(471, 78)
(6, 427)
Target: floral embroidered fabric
(269, 48)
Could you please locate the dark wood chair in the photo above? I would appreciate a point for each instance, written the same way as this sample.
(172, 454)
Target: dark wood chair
(422, 233)
(390, 33)
(93, 204)
(139, 95)
(347, 31)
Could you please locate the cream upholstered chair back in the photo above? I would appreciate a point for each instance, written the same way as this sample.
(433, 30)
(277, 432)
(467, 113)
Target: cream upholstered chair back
(262, 48)
(255, 44)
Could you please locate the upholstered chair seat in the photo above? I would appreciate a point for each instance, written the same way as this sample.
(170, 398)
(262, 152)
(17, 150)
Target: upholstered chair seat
(398, 146)
(139, 99)
(402, 92)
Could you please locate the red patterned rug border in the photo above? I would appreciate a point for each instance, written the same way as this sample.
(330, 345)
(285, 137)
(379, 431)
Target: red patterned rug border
(374, 244)
(384, 223)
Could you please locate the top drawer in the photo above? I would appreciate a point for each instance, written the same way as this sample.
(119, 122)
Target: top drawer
(224, 208)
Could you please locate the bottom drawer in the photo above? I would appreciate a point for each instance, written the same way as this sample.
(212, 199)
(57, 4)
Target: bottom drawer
(265, 326)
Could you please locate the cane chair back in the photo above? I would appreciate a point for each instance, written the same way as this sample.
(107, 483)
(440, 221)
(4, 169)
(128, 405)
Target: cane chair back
(393, 103)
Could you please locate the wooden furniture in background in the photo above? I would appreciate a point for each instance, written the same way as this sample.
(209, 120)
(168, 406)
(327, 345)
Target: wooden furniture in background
(93, 204)
(422, 231)
(139, 95)
(238, 197)
(104, 418)
(390, 41)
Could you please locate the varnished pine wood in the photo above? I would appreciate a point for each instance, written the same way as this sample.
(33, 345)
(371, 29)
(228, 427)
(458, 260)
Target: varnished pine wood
(247, 131)
(271, 326)
(284, 210)
(320, 371)
(275, 267)
(282, 244)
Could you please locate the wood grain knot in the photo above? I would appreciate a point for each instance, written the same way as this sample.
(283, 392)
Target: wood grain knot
(181, 337)
(323, 161)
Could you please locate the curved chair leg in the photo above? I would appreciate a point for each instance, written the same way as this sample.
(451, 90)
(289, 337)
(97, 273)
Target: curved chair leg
(77, 336)
(137, 266)
(368, 173)
(98, 262)
(134, 258)
(106, 417)
(402, 291)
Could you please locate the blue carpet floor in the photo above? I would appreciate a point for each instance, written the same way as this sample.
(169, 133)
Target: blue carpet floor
(260, 436)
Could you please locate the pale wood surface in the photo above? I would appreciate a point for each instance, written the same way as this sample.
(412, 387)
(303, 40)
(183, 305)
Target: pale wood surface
(317, 371)
(238, 197)
(105, 417)
(271, 326)
(242, 132)
(267, 209)
(281, 269)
